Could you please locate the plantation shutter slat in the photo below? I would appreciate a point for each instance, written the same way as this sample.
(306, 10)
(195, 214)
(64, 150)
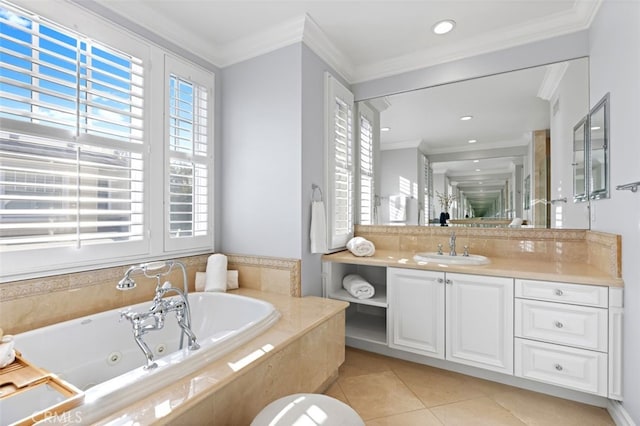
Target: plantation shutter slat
(366, 171)
(77, 191)
(188, 136)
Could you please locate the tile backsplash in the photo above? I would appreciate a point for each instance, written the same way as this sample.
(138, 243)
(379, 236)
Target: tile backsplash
(34, 303)
(599, 249)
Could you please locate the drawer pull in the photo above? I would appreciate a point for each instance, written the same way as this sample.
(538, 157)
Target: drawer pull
(558, 292)
(440, 280)
(449, 282)
(558, 367)
(558, 324)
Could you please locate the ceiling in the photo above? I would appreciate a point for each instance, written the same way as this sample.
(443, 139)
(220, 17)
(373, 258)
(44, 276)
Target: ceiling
(361, 39)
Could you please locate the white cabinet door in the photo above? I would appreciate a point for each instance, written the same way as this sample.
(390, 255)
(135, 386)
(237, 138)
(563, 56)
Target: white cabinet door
(480, 321)
(416, 311)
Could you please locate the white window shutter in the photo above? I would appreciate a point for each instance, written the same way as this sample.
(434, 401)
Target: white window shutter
(188, 149)
(340, 163)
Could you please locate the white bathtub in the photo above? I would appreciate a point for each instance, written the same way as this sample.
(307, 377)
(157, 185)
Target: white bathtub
(98, 354)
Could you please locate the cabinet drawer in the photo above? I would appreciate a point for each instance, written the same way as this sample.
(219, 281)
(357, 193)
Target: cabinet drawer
(577, 294)
(573, 368)
(571, 325)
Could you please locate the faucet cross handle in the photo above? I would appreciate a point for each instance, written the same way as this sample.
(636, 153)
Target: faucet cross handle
(466, 251)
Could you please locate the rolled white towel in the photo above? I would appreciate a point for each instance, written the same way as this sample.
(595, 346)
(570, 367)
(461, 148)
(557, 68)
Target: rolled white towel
(216, 279)
(232, 280)
(360, 246)
(358, 287)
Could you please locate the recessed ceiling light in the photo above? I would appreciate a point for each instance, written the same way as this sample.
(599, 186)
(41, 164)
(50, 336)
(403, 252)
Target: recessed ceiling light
(444, 26)
(472, 141)
(476, 161)
(466, 117)
(480, 183)
(477, 170)
(385, 129)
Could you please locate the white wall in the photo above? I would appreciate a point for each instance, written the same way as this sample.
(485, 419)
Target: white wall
(573, 105)
(261, 155)
(313, 159)
(614, 40)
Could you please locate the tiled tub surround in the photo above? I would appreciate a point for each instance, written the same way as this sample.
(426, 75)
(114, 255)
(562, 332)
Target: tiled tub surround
(231, 390)
(34, 303)
(580, 256)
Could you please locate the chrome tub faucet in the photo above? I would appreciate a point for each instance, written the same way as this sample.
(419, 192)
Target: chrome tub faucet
(154, 318)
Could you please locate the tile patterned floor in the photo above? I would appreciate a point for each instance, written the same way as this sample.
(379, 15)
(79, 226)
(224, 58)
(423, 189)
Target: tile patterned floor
(387, 391)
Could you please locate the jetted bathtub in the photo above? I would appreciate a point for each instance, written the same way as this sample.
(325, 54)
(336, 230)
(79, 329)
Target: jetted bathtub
(98, 354)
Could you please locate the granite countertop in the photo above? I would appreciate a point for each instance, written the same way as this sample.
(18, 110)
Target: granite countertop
(579, 273)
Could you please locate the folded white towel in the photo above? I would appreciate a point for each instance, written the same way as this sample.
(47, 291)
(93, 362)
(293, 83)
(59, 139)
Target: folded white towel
(360, 246)
(232, 280)
(358, 287)
(318, 231)
(216, 279)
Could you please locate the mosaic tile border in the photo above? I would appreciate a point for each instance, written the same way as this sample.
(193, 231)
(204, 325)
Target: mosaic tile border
(291, 265)
(504, 233)
(55, 283)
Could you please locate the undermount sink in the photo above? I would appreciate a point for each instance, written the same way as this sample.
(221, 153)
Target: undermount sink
(433, 257)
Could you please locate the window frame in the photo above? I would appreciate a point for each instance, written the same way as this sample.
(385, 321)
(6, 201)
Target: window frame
(18, 265)
(335, 90)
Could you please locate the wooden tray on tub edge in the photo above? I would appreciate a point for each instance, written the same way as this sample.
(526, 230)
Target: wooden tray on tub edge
(21, 376)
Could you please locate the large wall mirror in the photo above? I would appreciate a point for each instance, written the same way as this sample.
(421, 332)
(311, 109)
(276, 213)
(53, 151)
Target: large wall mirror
(491, 151)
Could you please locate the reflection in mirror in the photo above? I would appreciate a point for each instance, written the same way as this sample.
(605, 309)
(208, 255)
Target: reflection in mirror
(475, 142)
(579, 155)
(599, 150)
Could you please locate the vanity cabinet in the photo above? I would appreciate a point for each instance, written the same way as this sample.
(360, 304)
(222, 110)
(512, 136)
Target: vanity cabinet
(477, 327)
(562, 334)
(416, 311)
(479, 321)
(366, 319)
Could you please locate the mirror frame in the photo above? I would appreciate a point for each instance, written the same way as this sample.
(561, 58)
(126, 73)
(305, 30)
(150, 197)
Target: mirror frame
(581, 194)
(601, 106)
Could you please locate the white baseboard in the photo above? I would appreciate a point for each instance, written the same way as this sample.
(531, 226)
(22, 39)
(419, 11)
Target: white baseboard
(618, 413)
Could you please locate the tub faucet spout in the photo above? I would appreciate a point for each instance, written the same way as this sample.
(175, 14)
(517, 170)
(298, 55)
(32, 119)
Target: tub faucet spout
(153, 319)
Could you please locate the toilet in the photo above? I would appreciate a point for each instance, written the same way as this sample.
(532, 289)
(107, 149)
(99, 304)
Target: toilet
(310, 409)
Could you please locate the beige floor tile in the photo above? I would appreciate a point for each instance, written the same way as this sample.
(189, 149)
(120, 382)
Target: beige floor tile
(335, 391)
(378, 395)
(358, 363)
(477, 412)
(536, 409)
(412, 418)
(487, 387)
(435, 387)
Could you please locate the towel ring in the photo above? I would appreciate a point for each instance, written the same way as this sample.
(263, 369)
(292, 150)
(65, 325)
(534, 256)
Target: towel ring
(315, 187)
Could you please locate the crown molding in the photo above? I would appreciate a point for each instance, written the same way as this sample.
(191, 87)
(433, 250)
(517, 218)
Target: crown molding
(400, 145)
(285, 34)
(320, 44)
(578, 18)
(552, 78)
(158, 25)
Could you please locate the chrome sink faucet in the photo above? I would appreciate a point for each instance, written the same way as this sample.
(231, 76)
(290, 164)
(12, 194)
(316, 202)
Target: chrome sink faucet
(452, 244)
(154, 318)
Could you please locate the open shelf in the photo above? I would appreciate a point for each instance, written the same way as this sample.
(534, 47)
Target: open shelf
(379, 299)
(362, 326)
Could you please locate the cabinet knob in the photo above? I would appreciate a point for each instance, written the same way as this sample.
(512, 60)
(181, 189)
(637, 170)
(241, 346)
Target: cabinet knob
(558, 292)
(449, 281)
(558, 324)
(558, 367)
(440, 280)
